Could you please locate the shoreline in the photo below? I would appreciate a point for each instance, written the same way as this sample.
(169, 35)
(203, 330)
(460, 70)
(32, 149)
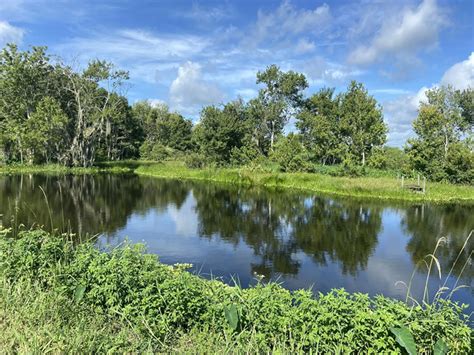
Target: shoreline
(379, 188)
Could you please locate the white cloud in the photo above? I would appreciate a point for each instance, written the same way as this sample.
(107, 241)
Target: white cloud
(209, 14)
(287, 20)
(157, 103)
(460, 75)
(403, 37)
(189, 91)
(320, 71)
(9, 33)
(304, 46)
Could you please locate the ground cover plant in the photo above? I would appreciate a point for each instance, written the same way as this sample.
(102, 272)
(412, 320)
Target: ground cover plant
(58, 296)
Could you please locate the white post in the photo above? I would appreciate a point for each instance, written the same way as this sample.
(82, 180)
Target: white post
(424, 184)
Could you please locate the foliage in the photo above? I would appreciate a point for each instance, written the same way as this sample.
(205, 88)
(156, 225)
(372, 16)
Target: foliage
(165, 131)
(277, 101)
(161, 302)
(221, 131)
(290, 154)
(361, 122)
(443, 149)
(50, 113)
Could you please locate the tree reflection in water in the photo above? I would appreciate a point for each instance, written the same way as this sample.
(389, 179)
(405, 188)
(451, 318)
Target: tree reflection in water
(277, 226)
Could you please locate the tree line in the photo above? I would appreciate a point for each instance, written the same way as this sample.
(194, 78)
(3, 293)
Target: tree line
(51, 112)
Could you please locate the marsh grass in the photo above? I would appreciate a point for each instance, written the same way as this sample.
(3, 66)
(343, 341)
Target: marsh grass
(432, 264)
(372, 187)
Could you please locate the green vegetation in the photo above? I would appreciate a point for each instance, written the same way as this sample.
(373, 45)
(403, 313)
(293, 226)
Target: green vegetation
(379, 186)
(51, 113)
(59, 297)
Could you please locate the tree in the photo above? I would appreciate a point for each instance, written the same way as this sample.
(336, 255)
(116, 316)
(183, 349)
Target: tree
(319, 125)
(443, 149)
(221, 130)
(45, 131)
(278, 100)
(164, 130)
(361, 122)
(93, 107)
(25, 79)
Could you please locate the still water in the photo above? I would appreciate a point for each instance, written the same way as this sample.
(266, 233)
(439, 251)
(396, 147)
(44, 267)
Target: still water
(300, 239)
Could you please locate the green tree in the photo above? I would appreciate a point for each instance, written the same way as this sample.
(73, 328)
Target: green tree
(361, 122)
(277, 101)
(319, 125)
(221, 130)
(25, 79)
(46, 131)
(442, 148)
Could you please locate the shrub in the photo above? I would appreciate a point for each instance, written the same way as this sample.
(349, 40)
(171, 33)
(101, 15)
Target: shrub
(162, 301)
(290, 153)
(195, 161)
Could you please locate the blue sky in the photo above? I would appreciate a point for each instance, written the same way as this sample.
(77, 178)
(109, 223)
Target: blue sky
(194, 53)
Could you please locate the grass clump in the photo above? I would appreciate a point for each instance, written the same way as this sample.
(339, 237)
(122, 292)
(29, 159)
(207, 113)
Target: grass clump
(56, 296)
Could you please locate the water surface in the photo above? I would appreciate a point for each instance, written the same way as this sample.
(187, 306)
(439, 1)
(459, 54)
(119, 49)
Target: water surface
(300, 239)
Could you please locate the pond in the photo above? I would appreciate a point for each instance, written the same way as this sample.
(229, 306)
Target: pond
(299, 239)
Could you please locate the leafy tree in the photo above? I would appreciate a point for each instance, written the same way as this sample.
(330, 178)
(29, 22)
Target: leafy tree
(442, 149)
(24, 82)
(361, 122)
(45, 131)
(278, 100)
(221, 130)
(165, 131)
(319, 125)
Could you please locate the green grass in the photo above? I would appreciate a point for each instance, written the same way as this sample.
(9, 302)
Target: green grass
(381, 187)
(58, 297)
(61, 169)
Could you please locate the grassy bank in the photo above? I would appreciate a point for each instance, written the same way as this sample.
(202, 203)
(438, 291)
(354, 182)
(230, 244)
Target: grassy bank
(61, 169)
(63, 298)
(381, 187)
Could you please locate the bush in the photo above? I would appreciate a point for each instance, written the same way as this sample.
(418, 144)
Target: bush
(290, 153)
(161, 301)
(195, 161)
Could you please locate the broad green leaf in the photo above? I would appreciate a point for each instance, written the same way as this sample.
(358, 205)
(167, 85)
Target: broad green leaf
(79, 293)
(232, 316)
(440, 348)
(405, 339)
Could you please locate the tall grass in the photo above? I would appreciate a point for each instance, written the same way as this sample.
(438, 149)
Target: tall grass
(432, 264)
(380, 187)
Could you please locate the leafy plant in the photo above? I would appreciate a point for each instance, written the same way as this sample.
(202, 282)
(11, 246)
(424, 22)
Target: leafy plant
(232, 316)
(405, 340)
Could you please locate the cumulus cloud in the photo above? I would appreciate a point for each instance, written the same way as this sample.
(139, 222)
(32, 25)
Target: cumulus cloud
(404, 36)
(401, 112)
(460, 75)
(190, 91)
(10, 33)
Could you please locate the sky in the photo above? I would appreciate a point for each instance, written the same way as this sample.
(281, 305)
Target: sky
(189, 54)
